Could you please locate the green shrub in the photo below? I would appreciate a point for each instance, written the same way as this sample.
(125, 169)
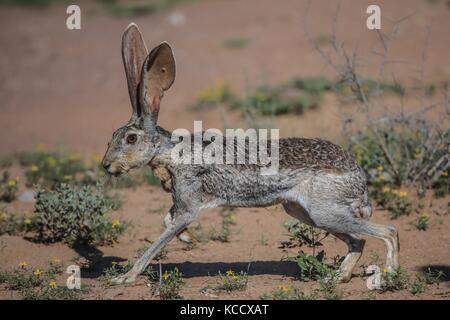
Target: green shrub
(312, 267)
(75, 215)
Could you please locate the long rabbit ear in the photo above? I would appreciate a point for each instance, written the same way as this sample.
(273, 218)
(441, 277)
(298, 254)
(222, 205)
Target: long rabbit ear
(134, 52)
(158, 74)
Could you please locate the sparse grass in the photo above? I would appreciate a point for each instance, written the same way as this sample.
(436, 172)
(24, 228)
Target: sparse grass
(421, 222)
(236, 43)
(198, 233)
(432, 277)
(75, 216)
(133, 9)
(168, 285)
(8, 187)
(13, 224)
(116, 269)
(38, 284)
(228, 219)
(328, 287)
(288, 293)
(264, 241)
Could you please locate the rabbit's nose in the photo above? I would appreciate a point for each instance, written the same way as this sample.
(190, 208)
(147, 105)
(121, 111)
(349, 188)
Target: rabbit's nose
(106, 164)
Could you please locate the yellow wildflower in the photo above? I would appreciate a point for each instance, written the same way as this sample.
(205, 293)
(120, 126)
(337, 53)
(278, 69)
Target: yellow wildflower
(402, 194)
(380, 168)
(27, 221)
(23, 264)
(230, 273)
(12, 182)
(56, 260)
(386, 189)
(380, 178)
(444, 173)
(284, 288)
(385, 270)
(38, 273)
(114, 263)
(34, 168)
(166, 275)
(3, 216)
(53, 284)
(68, 177)
(234, 278)
(115, 223)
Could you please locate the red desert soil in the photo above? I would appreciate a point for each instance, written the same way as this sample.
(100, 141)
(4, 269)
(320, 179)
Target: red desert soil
(68, 87)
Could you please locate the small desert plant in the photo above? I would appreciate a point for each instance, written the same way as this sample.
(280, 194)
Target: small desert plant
(75, 215)
(418, 286)
(303, 234)
(49, 168)
(394, 281)
(38, 284)
(236, 43)
(421, 222)
(431, 276)
(139, 8)
(395, 201)
(168, 285)
(328, 287)
(287, 293)
(13, 224)
(218, 94)
(116, 269)
(232, 281)
(441, 186)
(312, 267)
(228, 219)
(8, 187)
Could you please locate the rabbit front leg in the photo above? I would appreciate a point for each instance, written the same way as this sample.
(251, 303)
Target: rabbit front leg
(182, 221)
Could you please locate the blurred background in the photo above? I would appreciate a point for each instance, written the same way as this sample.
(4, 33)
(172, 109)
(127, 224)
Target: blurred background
(60, 86)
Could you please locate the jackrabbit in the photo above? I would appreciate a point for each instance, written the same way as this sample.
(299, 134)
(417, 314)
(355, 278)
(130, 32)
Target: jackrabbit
(318, 182)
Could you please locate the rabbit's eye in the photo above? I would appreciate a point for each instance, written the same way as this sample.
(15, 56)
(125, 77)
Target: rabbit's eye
(132, 138)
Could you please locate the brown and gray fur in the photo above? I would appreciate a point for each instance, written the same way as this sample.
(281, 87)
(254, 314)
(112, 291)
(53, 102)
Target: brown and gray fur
(318, 182)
